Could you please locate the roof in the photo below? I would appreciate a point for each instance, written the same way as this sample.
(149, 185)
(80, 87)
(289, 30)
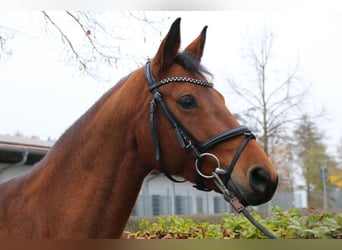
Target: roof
(13, 147)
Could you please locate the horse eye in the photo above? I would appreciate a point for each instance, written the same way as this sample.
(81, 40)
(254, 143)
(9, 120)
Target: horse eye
(187, 102)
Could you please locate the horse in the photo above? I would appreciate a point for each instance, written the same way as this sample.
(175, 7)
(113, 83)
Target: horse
(165, 116)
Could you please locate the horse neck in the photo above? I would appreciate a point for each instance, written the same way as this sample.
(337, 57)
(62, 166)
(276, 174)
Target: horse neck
(93, 172)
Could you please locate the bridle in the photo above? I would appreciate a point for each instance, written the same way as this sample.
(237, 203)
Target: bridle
(197, 148)
(184, 136)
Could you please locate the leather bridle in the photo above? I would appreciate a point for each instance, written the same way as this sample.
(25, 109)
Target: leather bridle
(197, 148)
(184, 136)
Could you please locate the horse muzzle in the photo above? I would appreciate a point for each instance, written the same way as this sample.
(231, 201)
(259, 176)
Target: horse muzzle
(259, 189)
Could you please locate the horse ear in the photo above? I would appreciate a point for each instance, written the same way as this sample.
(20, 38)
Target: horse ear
(168, 49)
(197, 46)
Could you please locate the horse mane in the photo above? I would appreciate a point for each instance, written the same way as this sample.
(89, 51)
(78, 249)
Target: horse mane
(66, 136)
(187, 60)
(191, 63)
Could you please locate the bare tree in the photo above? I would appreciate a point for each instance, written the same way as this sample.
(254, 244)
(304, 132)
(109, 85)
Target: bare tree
(275, 101)
(6, 34)
(95, 40)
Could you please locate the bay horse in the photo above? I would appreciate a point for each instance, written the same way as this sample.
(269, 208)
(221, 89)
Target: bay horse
(165, 116)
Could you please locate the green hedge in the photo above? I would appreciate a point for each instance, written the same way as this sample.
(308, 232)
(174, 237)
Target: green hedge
(284, 224)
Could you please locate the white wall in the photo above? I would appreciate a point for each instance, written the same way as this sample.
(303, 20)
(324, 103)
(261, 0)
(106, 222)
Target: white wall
(176, 197)
(8, 171)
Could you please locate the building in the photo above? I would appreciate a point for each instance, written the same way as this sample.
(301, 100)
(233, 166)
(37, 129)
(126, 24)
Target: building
(19, 154)
(159, 196)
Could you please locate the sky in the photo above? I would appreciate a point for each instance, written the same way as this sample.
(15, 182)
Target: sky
(42, 94)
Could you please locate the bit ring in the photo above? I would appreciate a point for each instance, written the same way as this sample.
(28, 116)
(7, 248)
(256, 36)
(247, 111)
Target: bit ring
(199, 171)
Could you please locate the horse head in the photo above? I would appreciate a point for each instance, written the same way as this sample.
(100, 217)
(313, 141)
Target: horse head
(194, 134)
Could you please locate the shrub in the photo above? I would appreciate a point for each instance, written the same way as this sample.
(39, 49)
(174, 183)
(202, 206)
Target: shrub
(284, 224)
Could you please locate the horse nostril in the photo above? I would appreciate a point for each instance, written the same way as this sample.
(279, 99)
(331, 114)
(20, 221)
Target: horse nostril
(259, 179)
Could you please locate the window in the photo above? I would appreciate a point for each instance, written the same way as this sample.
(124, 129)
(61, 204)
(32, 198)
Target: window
(199, 205)
(156, 204)
(220, 205)
(180, 204)
(160, 205)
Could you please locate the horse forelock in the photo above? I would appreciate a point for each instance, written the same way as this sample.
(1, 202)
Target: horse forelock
(191, 63)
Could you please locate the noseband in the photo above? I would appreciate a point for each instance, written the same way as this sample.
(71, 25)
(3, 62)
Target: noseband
(184, 136)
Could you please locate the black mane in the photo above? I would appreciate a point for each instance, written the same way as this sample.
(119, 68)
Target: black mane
(191, 63)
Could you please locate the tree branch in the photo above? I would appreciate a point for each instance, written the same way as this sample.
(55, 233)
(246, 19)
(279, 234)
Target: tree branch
(65, 38)
(95, 45)
(6, 34)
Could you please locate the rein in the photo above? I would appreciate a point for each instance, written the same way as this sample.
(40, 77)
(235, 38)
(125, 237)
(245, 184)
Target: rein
(197, 148)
